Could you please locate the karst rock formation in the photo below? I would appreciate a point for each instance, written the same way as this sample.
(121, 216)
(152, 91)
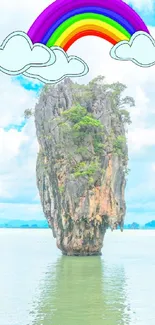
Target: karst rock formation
(82, 162)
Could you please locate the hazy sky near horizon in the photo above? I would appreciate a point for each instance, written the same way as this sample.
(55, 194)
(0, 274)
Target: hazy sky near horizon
(18, 145)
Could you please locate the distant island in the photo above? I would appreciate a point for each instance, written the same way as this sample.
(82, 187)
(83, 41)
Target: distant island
(134, 225)
(35, 224)
(42, 224)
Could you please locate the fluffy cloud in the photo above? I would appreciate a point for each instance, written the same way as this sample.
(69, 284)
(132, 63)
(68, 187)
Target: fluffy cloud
(10, 143)
(18, 152)
(14, 100)
(16, 15)
(17, 54)
(25, 211)
(135, 50)
(64, 66)
(141, 138)
(146, 5)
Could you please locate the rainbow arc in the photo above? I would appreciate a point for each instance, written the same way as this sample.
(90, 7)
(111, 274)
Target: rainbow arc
(65, 21)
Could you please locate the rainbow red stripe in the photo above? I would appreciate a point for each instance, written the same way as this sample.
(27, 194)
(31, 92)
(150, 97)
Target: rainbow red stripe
(65, 21)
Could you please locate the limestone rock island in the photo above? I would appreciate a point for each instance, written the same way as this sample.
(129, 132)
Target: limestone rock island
(82, 161)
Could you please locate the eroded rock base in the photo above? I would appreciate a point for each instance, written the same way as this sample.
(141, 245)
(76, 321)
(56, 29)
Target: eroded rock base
(74, 253)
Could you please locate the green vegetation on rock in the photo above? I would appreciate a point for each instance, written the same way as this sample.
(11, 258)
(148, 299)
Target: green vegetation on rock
(87, 134)
(28, 113)
(119, 144)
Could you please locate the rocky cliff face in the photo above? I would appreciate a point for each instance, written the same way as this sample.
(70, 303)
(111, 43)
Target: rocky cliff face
(82, 163)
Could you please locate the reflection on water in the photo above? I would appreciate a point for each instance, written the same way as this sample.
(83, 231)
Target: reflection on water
(37, 287)
(80, 291)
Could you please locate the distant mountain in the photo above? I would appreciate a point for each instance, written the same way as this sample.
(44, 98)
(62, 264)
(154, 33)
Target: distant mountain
(6, 223)
(134, 225)
(150, 224)
(42, 224)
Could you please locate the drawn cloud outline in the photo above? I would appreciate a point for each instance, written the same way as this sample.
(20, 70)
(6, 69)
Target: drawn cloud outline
(68, 58)
(32, 47)
(130, 44)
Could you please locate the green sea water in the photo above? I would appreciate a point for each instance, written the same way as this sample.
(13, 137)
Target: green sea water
(38, 286)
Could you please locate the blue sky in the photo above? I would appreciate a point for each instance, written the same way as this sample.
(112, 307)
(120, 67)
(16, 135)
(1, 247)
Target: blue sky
(18, 145)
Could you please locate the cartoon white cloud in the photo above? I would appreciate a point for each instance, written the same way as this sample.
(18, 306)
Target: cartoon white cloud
(140, 49)
(17, 54)
(64, 66)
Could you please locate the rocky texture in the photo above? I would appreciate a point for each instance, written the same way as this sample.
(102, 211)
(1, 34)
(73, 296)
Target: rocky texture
(80, 207)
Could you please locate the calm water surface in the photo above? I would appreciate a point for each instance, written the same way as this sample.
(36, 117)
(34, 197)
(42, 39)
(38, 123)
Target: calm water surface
(38, 286)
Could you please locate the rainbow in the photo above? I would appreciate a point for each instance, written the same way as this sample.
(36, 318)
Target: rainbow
(65, 21)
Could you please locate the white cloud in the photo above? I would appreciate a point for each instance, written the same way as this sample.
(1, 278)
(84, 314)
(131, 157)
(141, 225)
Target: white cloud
(135, 50)
(14, 100)
(153, 167)
(17, 163)
(20, 211)
(141, 138)
(17, 54)
(10, 143)
(64, 66)
(16, 15)
(146, 5)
